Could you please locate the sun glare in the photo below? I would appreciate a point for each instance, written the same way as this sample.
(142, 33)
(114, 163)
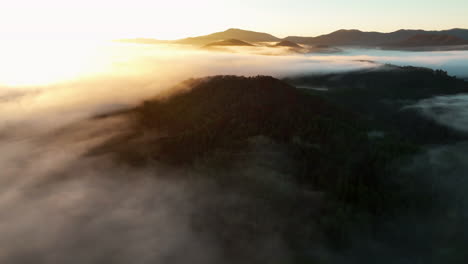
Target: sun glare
(43, 62)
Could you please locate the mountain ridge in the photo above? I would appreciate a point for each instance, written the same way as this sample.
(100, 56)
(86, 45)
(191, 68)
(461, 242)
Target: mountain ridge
(349, 37)
(228, 42)
(342, 37)
(232, 33)
(431, 40)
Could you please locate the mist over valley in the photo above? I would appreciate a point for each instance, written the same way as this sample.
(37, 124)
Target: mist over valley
(235, 147)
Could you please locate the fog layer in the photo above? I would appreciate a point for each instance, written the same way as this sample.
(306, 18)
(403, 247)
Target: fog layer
(60, 205)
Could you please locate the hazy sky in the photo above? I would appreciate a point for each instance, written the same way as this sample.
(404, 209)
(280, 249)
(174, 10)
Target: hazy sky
(170, 19)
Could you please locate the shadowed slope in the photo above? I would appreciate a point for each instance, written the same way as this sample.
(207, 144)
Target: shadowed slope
(365, 39)
(384, 94)
(233, 33)
(228, 42)
(307, 172)
(430, 40)
(286, 43)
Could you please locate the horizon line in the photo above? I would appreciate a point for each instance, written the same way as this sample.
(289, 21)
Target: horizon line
(306, 36)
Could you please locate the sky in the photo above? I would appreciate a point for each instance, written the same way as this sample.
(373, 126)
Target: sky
(173, 19)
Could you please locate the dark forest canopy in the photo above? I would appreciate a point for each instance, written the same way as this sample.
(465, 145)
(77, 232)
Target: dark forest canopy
(384, 95)
(326, 146)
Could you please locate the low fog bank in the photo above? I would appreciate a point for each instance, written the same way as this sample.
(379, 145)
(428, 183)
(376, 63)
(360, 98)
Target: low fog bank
(435, 232)
(454, 62)
(451, 111)
(126, 74)
(431, 228)
(60, 204)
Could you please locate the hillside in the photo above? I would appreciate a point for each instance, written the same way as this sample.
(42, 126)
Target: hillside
(343, 38)
(382, 93)
(289, 44)
(232, 108)
(423, 40)
(244, 35)
(398, 39)
(228, 42)
(215, 119)
(293, 166)
(361, 38)
(353, 38)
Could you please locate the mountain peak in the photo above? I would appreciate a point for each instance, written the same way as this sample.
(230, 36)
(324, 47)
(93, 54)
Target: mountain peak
(228, 42)
(231, 33)
(348, 31)
(234, 30)
(287, 43)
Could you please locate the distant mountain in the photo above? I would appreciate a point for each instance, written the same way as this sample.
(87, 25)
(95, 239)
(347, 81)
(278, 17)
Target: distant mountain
(228, 42)
(457, 32)
(430, 40)
(398, 39)
(287, 43)
(341, 38)
(360, 38)
(233, 33)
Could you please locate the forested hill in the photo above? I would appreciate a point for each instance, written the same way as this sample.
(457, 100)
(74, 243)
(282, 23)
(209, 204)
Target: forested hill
(384, 95)
(289, 165)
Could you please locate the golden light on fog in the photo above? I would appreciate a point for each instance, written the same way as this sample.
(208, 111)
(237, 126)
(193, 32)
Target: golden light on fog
(51, 41)
(42, 62)
(113, 19)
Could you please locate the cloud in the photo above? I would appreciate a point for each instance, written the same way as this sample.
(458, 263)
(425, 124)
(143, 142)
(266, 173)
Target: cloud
(60, 205)
(126, 74)
(454, 62)
(451, 111)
